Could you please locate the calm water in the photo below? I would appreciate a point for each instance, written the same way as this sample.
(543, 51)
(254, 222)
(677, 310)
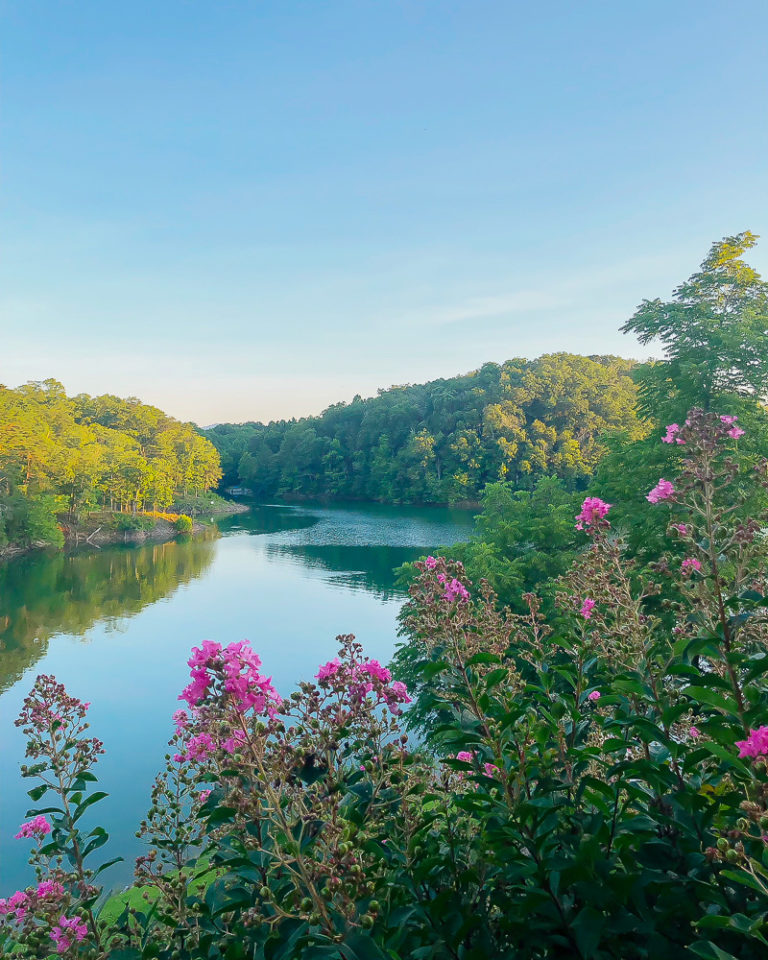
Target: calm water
(116, 626)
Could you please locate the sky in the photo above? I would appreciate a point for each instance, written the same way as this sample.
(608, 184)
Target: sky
(250, 209)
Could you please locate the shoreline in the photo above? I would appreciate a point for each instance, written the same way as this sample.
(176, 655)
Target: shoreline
(95, 531)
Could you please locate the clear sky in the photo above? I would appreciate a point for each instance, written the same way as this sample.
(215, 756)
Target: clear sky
(249, 209)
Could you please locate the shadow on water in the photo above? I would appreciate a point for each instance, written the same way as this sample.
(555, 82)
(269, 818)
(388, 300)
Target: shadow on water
(42, 595)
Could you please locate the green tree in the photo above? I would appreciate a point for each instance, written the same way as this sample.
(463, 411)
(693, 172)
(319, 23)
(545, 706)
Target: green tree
(714, 333)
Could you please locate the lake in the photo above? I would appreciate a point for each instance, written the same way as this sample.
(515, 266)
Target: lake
(116, 627)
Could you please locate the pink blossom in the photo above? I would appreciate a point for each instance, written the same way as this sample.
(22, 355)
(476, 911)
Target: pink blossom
(682, 528)
(441, 578)
(239, 667)
(735, 433)
(465, 755)
(671, 435)
(595, 695)
(68, 932)
(690, 564)
(490, 769)
(49, 888)
(756, 743)
(662, 491)
(593, 510)
(198, 748)
(232, 743)
(16, 905)
(374, 669)
(203, 796)
(728, 419)
(456, 590)
(430, 563)
(37, 827)
(328, 669)
(695, 733)
(587, 607)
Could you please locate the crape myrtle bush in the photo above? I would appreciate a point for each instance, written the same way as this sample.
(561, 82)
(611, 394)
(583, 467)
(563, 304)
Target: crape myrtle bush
(597, 790)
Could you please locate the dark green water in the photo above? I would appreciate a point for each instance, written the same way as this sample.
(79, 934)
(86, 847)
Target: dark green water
(116, 627)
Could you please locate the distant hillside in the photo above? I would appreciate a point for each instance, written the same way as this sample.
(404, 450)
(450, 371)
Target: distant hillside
(444, 440)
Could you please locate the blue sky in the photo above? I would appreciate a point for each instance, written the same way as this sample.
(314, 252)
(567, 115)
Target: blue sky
(249, 209)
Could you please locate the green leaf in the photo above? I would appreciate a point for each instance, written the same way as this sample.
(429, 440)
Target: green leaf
(88, 802)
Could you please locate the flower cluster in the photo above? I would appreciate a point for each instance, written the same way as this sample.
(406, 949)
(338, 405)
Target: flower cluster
(37, 828)
(734, 432)
(671, 436)
(359, 679)
(455, 590)
(587, 607)
(593, 511)
(236, 668)
(756, 744)
(690, 564)
(68, 931)
(663, 490)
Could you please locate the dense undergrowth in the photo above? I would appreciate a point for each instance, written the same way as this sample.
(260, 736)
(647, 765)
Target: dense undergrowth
(592, 788)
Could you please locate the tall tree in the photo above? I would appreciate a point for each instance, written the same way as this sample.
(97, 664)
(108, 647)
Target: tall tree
(714, 332)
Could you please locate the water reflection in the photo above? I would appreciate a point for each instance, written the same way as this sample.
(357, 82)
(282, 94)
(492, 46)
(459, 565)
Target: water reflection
(42, 595)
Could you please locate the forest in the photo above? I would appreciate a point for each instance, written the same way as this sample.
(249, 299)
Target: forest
(68, 455)
(443, 441)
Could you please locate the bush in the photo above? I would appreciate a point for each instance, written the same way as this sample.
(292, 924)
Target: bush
(183, 524)
(593, 790)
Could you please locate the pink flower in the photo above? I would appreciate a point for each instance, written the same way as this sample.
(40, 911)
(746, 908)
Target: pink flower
(16, 905)
(690, 564)
(695, 733)
(328, 669)
(374, 669)
(735, 432)
(430, 563)
(198, 748)
(465, 755)
(755, 745)
(682, 528)
(593, 510)
(456, 589)
(490, 769)
(203, 795)
(728, 419)
(587, 607)
(37, 827)
(662, 491)
(50, 888)
(68, 932)
(595, 695)
(671, 435)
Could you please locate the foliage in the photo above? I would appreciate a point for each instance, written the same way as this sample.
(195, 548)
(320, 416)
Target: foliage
(443, 441)
(595, 787)
(714, 332)
(183, 524)
(91, 452)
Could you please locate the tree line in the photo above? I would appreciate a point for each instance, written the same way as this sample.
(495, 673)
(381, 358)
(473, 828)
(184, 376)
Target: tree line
(61, 454)
(443, 441)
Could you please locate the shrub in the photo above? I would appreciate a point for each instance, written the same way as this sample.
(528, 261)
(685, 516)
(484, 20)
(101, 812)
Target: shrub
(593, 790)
(183, 524)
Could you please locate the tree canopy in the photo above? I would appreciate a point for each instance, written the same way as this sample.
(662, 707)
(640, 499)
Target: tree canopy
(444, 440)
(76, 453)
